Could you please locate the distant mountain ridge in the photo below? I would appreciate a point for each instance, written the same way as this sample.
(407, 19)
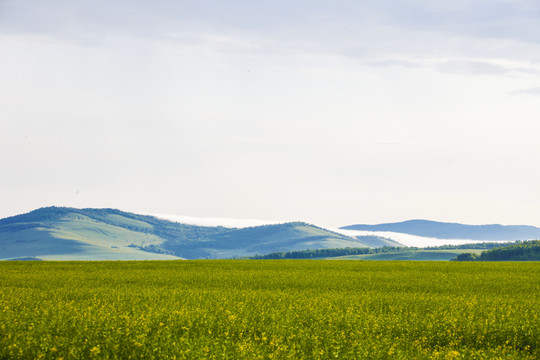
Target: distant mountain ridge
(444, 230)
(63, 233)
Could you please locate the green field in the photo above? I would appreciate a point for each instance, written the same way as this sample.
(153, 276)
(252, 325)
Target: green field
(415, 255)
(270, 309)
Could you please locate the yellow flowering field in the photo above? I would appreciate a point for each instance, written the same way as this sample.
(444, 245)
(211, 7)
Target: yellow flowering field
(269, 309)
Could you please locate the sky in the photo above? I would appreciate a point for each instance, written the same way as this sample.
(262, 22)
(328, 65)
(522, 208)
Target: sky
(332, 112)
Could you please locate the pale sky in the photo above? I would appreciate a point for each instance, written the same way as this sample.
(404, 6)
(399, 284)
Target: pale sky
(332, 112)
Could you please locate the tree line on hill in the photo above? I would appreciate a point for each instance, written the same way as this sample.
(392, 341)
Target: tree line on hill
(335, 252)
(324, 253)
(520, 251)
(475, 246)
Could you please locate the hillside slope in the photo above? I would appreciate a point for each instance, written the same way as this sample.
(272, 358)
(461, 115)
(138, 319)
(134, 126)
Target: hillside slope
(411, 255)
(442, 230)
(84, 234)
(59, 234)
(522, 251)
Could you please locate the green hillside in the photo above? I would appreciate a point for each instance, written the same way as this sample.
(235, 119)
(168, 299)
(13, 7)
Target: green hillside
(416, 255)
(378, 241)
(55, 234)
(381, 253)
(521, 251)
(87, 234)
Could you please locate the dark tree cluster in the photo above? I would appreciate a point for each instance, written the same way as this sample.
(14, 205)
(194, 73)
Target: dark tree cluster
(324, 253)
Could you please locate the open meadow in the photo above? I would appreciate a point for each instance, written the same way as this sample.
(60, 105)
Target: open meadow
(246, 309)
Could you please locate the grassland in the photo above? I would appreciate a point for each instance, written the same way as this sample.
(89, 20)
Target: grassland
(415, 255)
(269, 309)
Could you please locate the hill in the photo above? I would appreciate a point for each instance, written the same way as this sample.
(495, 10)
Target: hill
(441, 253)
(523, 251)
(378, 241)
(443, 230)
(61, 233)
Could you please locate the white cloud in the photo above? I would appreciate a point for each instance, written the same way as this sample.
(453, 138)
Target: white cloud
(531, 91)
(207, 221)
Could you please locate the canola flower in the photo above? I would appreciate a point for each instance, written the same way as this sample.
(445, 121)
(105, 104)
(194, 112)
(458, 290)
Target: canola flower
(269, 310)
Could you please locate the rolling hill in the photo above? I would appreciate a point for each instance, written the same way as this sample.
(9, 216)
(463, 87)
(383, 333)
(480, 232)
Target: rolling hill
(60, 233)
(385, 253)
(521, 251)
(442, 230)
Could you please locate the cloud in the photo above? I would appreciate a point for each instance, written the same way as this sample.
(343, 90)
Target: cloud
(264, 103)
(210, 221)
(485, 19)
(531, 92)
(408, 240)
(456, 65)
(393, 62)
(375, 33)
(471, 67)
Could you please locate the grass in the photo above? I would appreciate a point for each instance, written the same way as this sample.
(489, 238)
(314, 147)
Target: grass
(81, 240)
(269, 309)
(415, 255)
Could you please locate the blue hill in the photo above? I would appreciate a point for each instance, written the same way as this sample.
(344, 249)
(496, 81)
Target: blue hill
(443, 230)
